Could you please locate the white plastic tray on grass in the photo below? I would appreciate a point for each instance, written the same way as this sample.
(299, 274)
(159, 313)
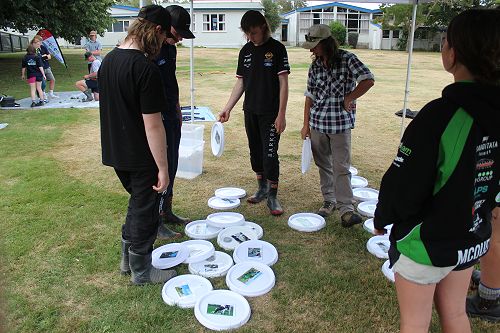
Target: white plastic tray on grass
(257, 228)
(184, 290)
(222, 204)
(388, 272)
(368, 226)
(256, 251)
(169, 255)
(199, 250)
(201, 230)
(230, 193)
(229, 238)
(365, 194)
(353, 170)
(367, 208)
(225, 219)
(250, 279)
(379, 246)
(215, 266)
(358, 181)
(306, 222)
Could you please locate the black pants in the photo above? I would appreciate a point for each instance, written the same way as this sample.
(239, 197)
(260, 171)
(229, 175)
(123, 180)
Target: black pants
(263, 143)
(141, 223)
(173, 131)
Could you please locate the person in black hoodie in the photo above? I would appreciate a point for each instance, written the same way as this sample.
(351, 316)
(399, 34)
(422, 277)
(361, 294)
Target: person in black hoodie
(444, 182)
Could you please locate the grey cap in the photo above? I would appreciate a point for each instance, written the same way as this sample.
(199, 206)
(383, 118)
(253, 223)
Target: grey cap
(316, 34)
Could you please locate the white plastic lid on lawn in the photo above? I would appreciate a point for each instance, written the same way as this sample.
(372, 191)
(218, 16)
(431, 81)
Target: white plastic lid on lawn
(230, 193)
(217, 139)
(231, 237)
(365, 194)
(199, 250)
(257, 228)
(184, 290)
(222, 204)
(217, 265)
(353, 170)
(306, 222)
(388, 272)
(225, 219)
(379, 246)
(250, 279)
(169, 255)
(201, 230)
(256, 251)
(222, 310)
(368, 226)
(367, 208)
(305, 162)
(358, 181)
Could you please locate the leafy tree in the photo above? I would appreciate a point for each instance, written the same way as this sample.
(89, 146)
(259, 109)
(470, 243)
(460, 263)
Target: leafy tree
(287, 5)
(69, 19)
(271, 13)
(339, 31)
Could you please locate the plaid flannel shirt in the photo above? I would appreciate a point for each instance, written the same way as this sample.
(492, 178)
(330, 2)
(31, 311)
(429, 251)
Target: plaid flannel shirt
(327, 88)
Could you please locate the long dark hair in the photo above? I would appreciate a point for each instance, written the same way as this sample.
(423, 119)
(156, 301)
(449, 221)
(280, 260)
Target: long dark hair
(144, 34)
(252, 19)
(330, 48)
(475, 36)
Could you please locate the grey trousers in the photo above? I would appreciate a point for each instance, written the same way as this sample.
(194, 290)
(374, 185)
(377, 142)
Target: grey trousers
(332, 155)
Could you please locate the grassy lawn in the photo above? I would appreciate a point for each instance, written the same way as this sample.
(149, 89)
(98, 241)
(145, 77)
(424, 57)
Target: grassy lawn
(61, 210)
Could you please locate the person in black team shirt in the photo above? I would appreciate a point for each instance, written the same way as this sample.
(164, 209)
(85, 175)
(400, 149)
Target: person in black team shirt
(133, 137)
(262, 75)
(171, 114)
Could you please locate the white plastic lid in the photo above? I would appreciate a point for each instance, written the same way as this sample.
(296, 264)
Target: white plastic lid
(379, 246)
(306, 155)
(365, 194)
(353, 170)
(222, 310)
(368, 226)
(358, 181)
(231, 237)
(201, 230)
(225, 219)
(169, 255)
(250, 279)
(307, 222)
(388, 272)
(217, 139)
(219, 203)
(230, 193)
(256, 251)
(257, 228)
(217, 265)
(367, 208)
(199, 250)
(184, 290)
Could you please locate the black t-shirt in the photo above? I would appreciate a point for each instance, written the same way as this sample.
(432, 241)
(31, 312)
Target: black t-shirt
(259, 66)
(32, 62)
(130, 86)
(166, 62)
(41, 52)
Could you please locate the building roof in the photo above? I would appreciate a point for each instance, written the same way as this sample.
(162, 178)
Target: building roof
(332, 4)
(220, 5)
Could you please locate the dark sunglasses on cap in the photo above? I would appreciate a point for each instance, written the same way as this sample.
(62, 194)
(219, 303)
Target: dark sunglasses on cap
(313, 39)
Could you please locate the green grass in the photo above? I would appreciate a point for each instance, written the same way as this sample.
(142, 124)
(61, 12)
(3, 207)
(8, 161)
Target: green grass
(61, 211)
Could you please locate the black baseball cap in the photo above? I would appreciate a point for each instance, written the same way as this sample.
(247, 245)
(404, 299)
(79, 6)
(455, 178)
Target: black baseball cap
(87, 55)
(156, 14)
(181, 21)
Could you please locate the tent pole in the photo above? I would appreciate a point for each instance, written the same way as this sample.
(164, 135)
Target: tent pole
(191, 64)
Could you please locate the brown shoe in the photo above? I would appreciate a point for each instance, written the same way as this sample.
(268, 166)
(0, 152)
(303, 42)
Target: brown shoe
(349, 219)
(327, 209)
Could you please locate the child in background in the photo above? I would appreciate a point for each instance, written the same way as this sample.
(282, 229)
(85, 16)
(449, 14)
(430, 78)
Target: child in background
(32, 71)
(443, 185)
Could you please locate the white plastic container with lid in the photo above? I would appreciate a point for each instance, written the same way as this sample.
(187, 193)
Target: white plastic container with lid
(192, 131)
(190, 158)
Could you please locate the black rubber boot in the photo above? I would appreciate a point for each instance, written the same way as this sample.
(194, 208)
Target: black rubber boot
(272, 200)
(488, 310)
(165, 233)
(143, 272)
(168, 217)
(262, 192)
(124, 266)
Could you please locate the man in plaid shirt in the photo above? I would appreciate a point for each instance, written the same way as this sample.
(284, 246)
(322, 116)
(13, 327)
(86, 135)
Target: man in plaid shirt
(336, 79)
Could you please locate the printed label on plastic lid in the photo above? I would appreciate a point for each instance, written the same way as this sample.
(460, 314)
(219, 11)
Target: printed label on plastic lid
(184, 290)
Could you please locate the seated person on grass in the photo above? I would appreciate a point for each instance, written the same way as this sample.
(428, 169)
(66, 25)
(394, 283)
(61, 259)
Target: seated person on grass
(90, 80)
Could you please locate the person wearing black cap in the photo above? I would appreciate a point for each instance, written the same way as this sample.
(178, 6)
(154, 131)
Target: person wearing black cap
(89, 81)
(133, 137)
(171, 114)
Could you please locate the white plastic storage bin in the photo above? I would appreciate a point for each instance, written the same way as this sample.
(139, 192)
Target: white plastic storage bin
(190, 158)
(192, 131)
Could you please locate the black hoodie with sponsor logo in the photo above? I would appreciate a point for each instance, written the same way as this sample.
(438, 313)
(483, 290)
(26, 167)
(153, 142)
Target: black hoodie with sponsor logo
(444, 182)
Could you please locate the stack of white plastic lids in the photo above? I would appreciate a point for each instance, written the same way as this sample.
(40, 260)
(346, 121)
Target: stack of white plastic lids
(257, 228)
(367, 208)
(225, 219)
(250, 279)
(231, 237)
(353, 170)
(217, 265)
(223, 203)
(368, 226)
(201, 230)
(230, 193)
(256, 251)
(388, 272)
(169, 255)
(358, 181)
(365, 194)
(379, 246)
(307, 222)
(222, 310)
(184, 290)
(199, 250)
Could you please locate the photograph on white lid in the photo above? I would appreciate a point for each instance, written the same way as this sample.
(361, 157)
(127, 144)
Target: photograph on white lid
(358, 181)
(388, 272)
(250, 279)
(368, 226)
(306, 222)
(169, 255)
(221, 204)
(217, 139)
(225, 219)
(184, 290)
(353, 170)
(365, 194)
(305, 162)
(231, 237)
(257, 228)
(256, 251)
(230, 193)
(379, 246)
(215, 266)
(367, 208)
(199, 250)
(201, 230)
(222, 310)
